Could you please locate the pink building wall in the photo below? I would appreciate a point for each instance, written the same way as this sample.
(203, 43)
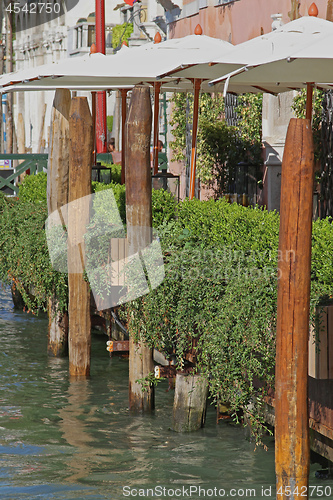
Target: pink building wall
(243, 19)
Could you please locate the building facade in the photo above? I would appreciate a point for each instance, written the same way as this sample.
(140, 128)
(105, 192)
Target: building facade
(43, 38)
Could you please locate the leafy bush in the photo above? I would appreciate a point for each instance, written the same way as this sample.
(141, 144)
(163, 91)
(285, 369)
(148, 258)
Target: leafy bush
(219, 296)
(322, 261)
(163, 207)
(121, 33)
(163, 203)
(24, 257)
(119, 194)
(219, 147)
(33, 188)
(249, 110)
(115, 173)
(217, 303)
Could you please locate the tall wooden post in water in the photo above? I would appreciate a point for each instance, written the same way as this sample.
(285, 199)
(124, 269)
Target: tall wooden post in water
(57, 196)
(139, 222)
(292, 449)
(80, 163)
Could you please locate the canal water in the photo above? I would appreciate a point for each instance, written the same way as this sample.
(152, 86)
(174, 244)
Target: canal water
(76, 440)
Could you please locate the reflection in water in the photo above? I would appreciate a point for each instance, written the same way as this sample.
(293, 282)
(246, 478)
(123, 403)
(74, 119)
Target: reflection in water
(71, 440)
(75, 429)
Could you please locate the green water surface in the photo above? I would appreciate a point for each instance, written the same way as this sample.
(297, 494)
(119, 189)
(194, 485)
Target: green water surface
(76, 440)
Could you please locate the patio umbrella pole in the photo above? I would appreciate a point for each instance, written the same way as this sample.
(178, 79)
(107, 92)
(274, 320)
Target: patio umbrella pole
(157, 88)
(292, 448)
(197, 84)
(93, 112)
(123, 136)
(101, 128)
(309, 96)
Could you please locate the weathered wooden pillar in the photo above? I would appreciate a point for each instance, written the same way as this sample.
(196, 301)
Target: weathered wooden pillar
(80, 163)
(139, 223)
(57, 196)
(58, 329)
(189, 404)
(292, 450)
(58, 159)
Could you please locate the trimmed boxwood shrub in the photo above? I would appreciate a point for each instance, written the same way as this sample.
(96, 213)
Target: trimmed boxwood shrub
(217, 301)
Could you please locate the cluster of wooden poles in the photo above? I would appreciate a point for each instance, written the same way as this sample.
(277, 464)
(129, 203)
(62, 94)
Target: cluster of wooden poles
(69, 178)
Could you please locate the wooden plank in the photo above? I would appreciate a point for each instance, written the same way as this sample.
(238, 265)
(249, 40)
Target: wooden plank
(123, 253)
(312, 354)
(119, 253)
(118, 345)
(319, 446)
(330, 342)
(115, 261)
(322, 351)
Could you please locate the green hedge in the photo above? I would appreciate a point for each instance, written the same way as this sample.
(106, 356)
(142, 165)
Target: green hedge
(24, 258)
(220, 294)
(33, 188)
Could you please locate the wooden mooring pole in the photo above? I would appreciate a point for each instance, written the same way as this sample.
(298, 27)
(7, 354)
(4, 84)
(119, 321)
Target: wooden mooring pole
(139, 223)
(57, 196)
(190, 402)
(292, 450)
(80, 163)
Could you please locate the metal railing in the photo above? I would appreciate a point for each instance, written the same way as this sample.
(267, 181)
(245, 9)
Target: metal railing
(35, 162)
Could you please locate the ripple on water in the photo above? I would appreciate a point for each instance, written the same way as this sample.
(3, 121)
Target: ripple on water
(76, 440)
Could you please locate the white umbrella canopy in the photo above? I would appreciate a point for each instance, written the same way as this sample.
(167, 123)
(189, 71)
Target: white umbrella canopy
(285, 59)
(126, 68)
(142, 65)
